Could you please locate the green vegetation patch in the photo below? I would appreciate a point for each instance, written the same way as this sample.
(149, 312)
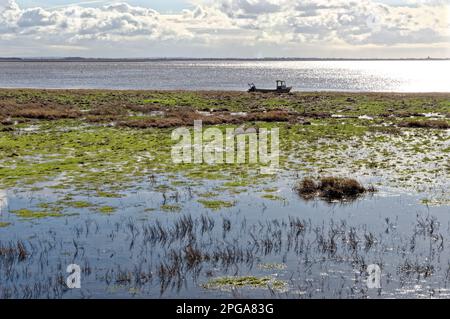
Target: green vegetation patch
(240, 183)
(61, 145)
(27, 213)
(216, 204)
(273, 197)
(108, 194)
(272, 266)
(79, 204)
(208, 194)
(107, 209)
(245, 281)
(170, 208)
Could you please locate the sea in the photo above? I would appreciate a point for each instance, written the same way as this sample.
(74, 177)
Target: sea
(332, 75)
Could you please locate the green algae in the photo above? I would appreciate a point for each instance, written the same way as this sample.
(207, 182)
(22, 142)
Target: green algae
(99, 167)
(244, 281)
(240, 183)
(204, 174)
(108, 194)
(104, 161)
(30, 214)
(179, 183)
(4, 224)
(170, 208)
(106, 209)
(79, 204)
(271, 190)
(208, 194)
(273, 197)
(44, 205)
(272, 266)
(216, 204)
(163, 188)
(96, 156)
(437, 201)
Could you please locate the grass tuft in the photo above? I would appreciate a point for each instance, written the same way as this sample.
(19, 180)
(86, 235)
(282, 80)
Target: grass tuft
(244, 281)
(436, 124)
(331, 188)
(216, 204)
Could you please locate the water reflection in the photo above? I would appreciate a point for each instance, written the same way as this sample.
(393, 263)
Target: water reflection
(3, 201)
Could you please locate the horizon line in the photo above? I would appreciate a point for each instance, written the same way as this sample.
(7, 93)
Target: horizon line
(99, 59)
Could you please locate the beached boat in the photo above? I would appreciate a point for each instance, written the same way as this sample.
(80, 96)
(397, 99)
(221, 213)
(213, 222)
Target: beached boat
(280, 88)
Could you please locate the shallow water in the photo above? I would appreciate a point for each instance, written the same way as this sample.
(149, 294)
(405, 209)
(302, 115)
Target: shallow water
(366, 76)
(317, 249)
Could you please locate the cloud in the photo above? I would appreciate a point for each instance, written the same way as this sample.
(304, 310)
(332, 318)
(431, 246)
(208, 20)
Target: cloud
(257, 24)
(353, 22)
(73, 23)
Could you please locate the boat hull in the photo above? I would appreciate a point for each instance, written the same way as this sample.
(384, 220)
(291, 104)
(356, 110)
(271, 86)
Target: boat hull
(285, 90)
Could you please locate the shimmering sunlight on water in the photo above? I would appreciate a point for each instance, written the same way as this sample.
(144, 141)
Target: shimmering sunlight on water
(398, 76)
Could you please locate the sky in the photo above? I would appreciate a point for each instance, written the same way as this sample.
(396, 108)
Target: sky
(225, 28)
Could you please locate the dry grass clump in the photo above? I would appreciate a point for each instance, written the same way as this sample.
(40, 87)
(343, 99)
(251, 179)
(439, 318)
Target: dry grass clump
(144, 108)
(438, 124)
(6, 121)
(269, 116)
(153, 122)
(186, 117)
(101, 118)
(108, 110)
(331, 188)
(392, 130)
(41, 112)
(12, 250)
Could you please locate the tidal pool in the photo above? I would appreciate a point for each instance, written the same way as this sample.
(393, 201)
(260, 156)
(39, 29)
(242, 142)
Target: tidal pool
(298, 249)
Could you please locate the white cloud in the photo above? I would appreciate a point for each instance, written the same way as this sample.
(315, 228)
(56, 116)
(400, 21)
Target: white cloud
(74, 23)
(245, 25)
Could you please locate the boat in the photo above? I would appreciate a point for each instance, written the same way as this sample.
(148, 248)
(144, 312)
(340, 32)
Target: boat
(280, 88)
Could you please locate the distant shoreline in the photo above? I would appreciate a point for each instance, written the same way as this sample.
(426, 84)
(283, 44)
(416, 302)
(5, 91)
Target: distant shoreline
(33, 90)
(79, 59)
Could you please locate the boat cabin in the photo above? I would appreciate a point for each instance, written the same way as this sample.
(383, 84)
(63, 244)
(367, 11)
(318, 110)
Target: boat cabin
(281, 85)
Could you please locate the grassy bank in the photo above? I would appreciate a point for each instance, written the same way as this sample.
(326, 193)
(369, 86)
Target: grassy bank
(102, 142)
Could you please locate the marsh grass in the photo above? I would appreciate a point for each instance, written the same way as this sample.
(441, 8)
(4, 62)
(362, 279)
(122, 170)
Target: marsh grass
(170, 208)
(106, 209)
(202, 252)
(133, 109)
(331, 188)
(433, 124)
(173, 253)
(216, 204)
(30, 214)
(244, 281)
(14, 250)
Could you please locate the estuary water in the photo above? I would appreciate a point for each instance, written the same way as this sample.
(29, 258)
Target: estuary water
(360, 76)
